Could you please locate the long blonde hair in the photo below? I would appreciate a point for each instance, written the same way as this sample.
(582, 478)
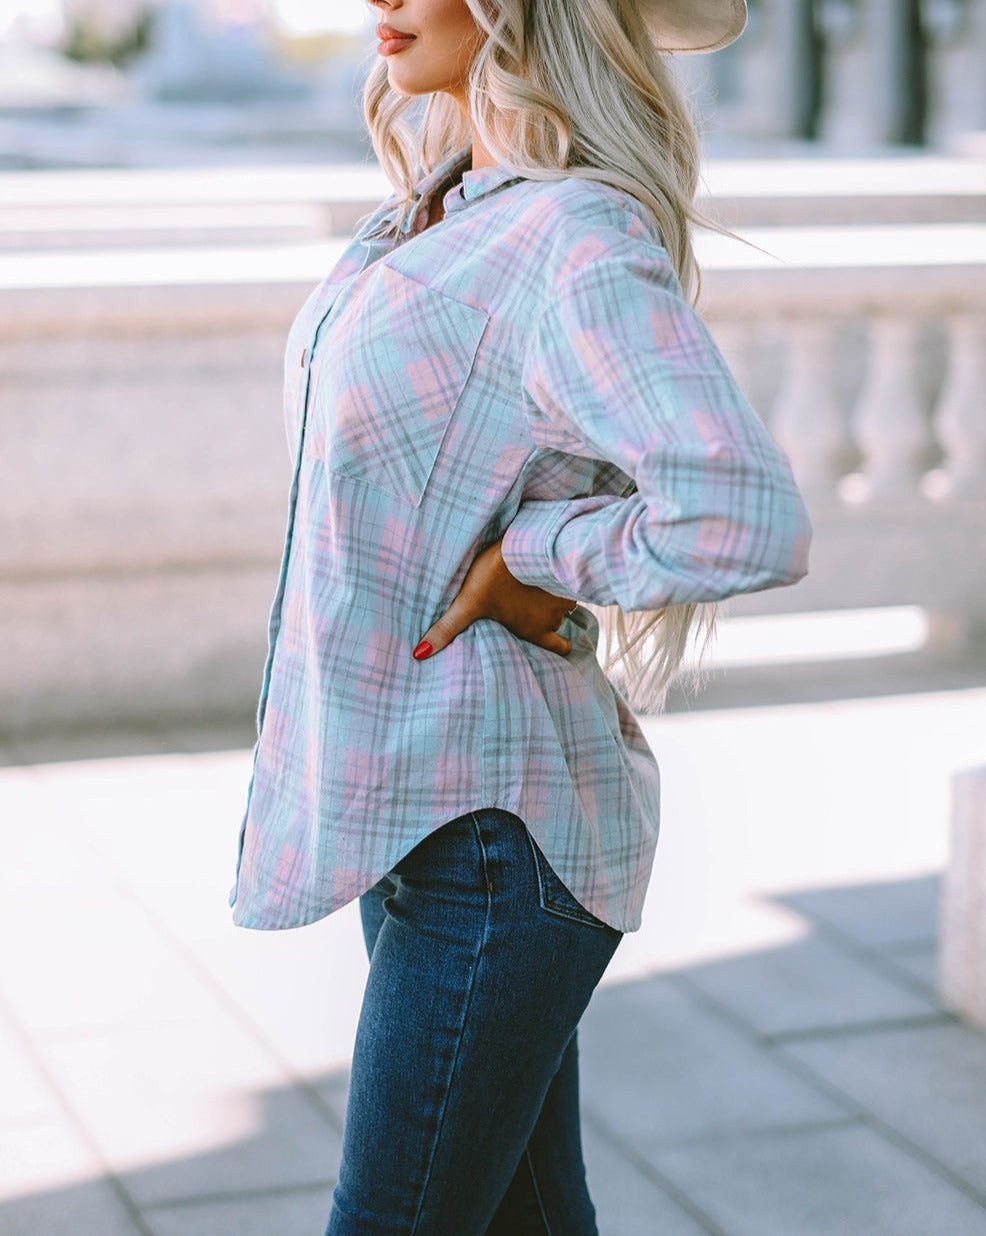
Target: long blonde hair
(559, 90)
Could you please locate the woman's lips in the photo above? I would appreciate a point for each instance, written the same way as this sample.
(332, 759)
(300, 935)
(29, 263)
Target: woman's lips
(387, 46)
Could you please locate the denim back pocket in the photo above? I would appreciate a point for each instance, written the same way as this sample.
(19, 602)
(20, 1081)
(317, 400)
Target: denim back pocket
(395, 365)
(555, 897)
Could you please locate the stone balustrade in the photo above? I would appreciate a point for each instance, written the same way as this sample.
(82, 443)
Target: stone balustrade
(865, 353)
(143, 473)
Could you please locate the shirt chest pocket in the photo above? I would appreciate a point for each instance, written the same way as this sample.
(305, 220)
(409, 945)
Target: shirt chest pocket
(390, 376)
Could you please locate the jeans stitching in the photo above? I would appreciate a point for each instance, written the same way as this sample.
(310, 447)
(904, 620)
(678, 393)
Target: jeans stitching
(544, 896)
(537, 1191)
(465, 1013)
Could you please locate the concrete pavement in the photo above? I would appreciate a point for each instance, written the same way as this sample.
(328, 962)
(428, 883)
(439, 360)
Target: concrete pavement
(766, 1057)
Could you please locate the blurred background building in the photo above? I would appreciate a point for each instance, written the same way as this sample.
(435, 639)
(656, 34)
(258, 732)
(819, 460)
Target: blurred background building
(138, 82)
(89, 83)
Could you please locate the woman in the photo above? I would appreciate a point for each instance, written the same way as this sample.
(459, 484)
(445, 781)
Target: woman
(501, 406)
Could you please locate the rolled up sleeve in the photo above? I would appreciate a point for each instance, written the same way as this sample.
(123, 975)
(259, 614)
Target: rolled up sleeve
(620, 367)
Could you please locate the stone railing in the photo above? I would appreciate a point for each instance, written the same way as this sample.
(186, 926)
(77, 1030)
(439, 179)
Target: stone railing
(865, 352)
(144, 471)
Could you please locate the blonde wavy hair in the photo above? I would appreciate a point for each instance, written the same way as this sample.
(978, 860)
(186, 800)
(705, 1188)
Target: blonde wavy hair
(561, 89)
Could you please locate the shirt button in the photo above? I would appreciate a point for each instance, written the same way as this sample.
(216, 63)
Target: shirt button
(304, 357)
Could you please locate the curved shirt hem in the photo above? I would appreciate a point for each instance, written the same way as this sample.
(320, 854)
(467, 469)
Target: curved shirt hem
(244, 915)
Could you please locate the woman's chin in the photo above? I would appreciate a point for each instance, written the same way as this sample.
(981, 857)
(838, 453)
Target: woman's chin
(402, 84)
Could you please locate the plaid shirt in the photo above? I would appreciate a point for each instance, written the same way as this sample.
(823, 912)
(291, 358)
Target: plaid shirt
(512, 370)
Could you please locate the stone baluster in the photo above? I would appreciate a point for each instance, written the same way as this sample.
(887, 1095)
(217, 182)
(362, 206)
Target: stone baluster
(890, 421)
(868, 54)
(960, 417)
(808, 419)
(764, 85)
(955, 31)
(773, 71)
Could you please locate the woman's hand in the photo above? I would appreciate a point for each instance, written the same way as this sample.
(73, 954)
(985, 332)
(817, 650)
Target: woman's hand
(490, 591)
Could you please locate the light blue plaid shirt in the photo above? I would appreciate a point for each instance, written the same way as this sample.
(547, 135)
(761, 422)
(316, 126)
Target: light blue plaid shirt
(513, 369)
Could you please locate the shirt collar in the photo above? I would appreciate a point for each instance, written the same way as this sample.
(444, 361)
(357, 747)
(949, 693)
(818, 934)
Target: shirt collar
(471, 185)
(480, 181)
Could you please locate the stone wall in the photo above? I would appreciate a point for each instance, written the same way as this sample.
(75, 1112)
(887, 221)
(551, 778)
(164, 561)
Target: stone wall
(142, 490)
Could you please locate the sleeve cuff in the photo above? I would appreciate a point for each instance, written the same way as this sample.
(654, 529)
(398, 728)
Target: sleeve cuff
(527, 544)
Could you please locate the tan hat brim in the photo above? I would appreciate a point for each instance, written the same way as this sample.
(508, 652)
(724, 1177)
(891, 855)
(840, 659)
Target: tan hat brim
(694, 25)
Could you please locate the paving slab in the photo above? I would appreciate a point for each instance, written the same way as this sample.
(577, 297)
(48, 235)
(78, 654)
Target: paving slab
(167, 825)
(300, 989)
(927, 1083)
(288, 1212)
(919, 962)
(193, 1110)
(657, 1070)
(333, 1089)
(807, 985)
(161, 828)
(836, 1181)
(691, 914)
(816, 796)
(51, 1184)
(96, 965)
(41, 860)
(628, 1202)
(878, 915)
(27, 1097)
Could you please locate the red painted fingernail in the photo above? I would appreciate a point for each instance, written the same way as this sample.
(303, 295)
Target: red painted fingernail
(424, 649)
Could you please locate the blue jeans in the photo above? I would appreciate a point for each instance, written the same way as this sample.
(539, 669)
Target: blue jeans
(463, 1112)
